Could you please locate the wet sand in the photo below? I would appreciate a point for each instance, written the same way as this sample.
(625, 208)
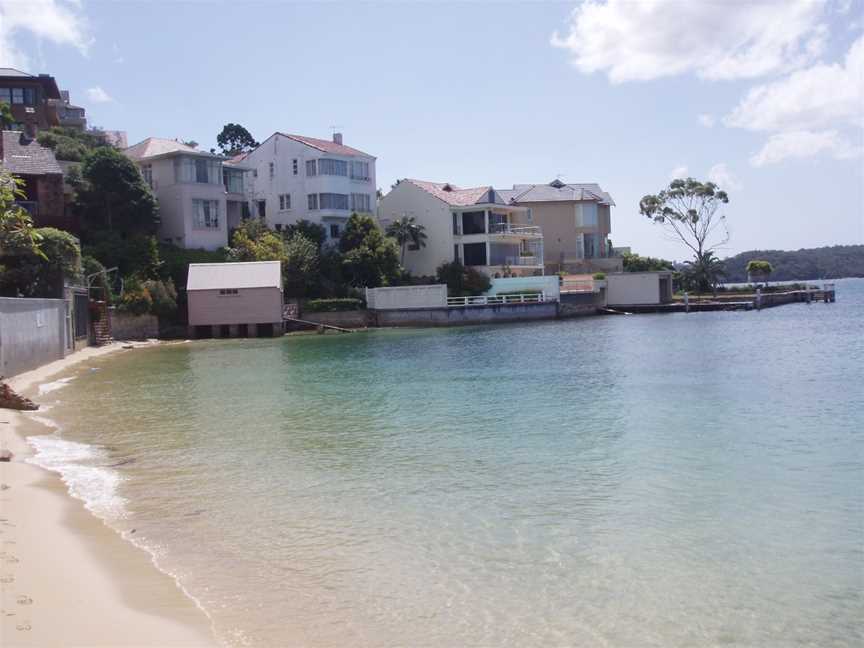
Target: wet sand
(66, 579)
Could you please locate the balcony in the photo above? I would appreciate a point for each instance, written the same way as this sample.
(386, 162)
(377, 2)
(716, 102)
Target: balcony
(515, 230)
(524, 260)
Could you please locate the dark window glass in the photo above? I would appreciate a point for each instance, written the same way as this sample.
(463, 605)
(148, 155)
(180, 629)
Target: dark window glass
(475, 254)
(474, 222)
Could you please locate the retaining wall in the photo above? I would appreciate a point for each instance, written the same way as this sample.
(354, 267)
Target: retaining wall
(345, 319)
(32, 333)
(126, 326)
(466, 315)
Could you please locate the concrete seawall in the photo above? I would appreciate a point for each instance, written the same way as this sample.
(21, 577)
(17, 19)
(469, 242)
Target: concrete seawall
(32, 333)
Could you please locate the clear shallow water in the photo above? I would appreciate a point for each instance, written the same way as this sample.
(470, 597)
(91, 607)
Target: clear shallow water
(654, 480)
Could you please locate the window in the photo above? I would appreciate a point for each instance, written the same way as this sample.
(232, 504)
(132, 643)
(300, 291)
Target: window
(147, 172)
(224, 292)
(278, 227)
(17, 95)
(233, 180)
(455, 252)
(201, 170)
(474, 222)
(284, 202)
(6, 95)
(313, 201)
(333, 201)
(30, 96)
(272, 170)
(254, 173)
(327, 166)
(530, 216)
(475, 254)
(334, 231)
(359, 170)
(205, 214)
(294, 165)
(586, 215)
(360, 202)
(262, 208)
(310, 168)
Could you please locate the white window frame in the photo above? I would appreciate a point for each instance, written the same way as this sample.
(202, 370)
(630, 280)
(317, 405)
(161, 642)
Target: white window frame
(205, 220)
(311, 168)
(312, 201)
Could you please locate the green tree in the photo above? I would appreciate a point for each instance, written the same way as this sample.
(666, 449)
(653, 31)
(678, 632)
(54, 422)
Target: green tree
(7, 121)
(254, 241)
(759, 270)
(689, 212)
(312, 231)
(234, 139)
(71, 144)
(370, 259)
(18, 235)
(114, 196)
(40, 273)
(300, 266)
(406, 230)
(703, 275)
(636, 263)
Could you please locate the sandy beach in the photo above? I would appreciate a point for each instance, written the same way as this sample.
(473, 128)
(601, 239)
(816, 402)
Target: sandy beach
(66, 579)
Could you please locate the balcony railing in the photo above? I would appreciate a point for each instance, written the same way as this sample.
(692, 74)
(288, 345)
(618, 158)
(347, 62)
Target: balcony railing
(496, 300)
(515, 230)
(523, 261)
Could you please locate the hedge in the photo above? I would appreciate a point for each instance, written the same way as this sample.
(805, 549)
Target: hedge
(332, 305)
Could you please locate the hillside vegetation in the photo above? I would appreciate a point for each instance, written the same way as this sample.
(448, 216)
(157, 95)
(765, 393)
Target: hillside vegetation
(831, 262)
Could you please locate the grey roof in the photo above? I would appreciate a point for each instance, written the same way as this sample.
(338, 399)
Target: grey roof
(12, 72)
(556, 191)
(158, 146)
(24, 156)
(247, 274)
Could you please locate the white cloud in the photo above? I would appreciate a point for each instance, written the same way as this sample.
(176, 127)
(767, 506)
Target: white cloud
(707, 121)
(720, 175)
(59, 22)
(816, 97)
(98, 95)
(679, 172)
(804, 144)
(651, 39)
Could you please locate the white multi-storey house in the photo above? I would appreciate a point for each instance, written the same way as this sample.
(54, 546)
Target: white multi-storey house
(200, 196)
(475, 226)
(295, 178)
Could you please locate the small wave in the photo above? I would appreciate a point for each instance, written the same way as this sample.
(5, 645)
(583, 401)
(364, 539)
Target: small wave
(47, 388)
(80, 467)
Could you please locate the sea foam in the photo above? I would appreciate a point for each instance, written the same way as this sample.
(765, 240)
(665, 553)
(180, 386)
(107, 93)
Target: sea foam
(80, 467)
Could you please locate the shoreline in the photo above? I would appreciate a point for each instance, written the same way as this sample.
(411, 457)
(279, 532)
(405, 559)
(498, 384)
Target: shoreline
(66, 576)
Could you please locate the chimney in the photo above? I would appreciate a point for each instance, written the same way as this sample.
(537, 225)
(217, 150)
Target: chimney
(337, 138)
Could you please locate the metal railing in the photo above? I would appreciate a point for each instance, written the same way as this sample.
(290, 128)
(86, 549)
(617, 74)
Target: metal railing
(514, 229)
(523, 261)
(497, 300)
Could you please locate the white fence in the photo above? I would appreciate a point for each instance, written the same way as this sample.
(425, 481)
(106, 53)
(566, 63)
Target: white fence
(401, 297)
(496, 300)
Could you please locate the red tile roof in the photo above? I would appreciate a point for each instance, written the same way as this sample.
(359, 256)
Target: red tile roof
(325, 145)
(454, 196)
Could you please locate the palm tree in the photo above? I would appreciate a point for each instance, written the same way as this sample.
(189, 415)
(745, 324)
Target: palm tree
(406, 230)
(6, 119)
(706, 272)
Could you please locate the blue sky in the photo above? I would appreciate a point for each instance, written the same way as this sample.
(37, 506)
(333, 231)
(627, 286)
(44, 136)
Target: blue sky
(765, 98)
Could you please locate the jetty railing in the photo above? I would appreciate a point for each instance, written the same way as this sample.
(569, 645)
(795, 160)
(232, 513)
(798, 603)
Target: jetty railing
(496, 300)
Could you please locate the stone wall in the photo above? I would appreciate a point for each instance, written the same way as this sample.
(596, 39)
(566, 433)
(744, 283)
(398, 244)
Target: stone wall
(126, 326)
(343, 319)
(32, 333)
(52, 209)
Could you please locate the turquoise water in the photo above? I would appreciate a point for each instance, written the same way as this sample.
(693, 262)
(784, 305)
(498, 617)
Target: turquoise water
(652, 480)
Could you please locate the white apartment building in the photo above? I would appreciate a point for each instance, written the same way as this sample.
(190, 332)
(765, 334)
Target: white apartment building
(295, 178)
(200, 198)
(475, 226)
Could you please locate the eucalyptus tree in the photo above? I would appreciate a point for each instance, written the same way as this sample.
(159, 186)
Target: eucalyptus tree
(689, 211)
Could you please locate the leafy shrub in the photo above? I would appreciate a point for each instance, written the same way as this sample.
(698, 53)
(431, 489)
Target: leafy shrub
(163, 296)
(461, 280)
(332, 305)
(757, 266)
(136, 301)
(599, 276)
